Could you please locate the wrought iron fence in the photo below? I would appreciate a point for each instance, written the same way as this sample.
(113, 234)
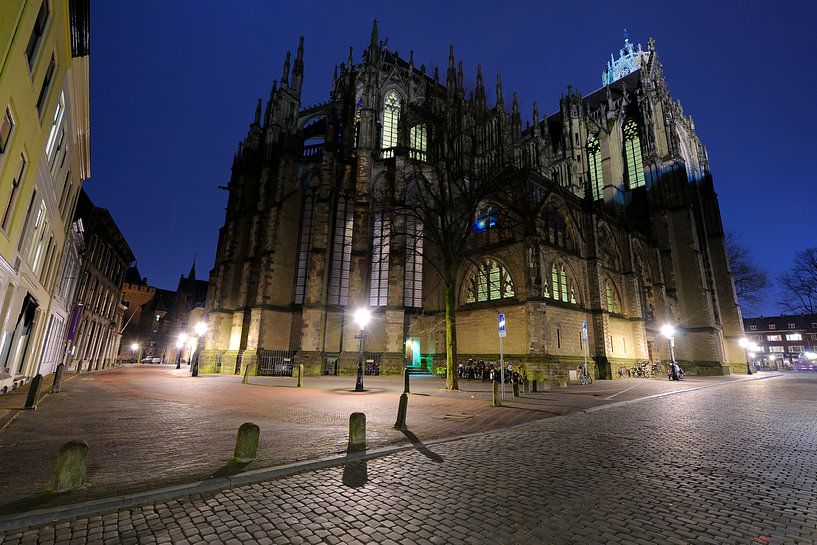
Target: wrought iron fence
(330, 364)
(275, 363)
(372, 363)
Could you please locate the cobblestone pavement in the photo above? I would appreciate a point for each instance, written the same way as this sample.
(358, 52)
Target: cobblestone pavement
(152, 426)
(733, 464)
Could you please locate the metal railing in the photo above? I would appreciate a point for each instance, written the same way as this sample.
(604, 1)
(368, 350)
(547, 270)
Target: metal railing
(275, 363)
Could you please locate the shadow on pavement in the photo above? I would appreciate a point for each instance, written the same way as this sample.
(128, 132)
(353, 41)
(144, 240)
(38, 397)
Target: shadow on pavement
(421, 447)
(356, 470)
(229, 469)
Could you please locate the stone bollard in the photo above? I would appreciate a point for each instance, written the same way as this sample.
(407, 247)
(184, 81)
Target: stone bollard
(55, 388)
(246, 379)
(34, 392)
(300, 375)
(406, 375)
(246, 443)
(495, 400)
(401, 413)
(525, 386)
(357, 432)
(534, 386)
(72, 466)
(515, 389)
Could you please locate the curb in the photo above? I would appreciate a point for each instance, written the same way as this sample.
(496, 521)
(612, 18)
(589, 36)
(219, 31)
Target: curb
(103, 505)
(17, 412)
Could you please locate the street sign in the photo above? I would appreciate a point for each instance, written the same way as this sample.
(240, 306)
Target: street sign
(584, 331)
(502, 332)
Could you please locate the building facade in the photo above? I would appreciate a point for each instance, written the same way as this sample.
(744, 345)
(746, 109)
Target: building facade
(628, 238)
(98, 300)
(782, 339)
(156, 317)
(44, 158)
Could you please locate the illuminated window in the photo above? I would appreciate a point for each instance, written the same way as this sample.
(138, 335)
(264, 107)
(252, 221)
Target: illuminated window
(413, 292)
(632, 155)
(610, 297)
(35, 252)
(15, 190)
(303, 252)
(776, 349)
(379, 283)
(486, 218)
(772, 326)
(47, 80)
(418, 142)
(56, 125)
(489, 282)
(6, 126)
(753, 328)
(357, 118)
(391, 116)
(796, 349)
(561, 288)
(774, 337)
(37, 33)
(792, 326)
(794, 337)
(341, 253)
(594, 164)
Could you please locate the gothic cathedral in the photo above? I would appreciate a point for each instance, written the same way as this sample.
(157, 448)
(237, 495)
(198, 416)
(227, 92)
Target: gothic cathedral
(629, 237)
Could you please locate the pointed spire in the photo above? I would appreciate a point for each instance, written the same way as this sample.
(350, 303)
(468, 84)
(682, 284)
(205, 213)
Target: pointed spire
(479, 92)
(192, 274)
(257, 120)
(516, 120)
(535, 119)
(451, 75)
(373, 40)
(351, 59)
(460, 86)
(285, 75)
(500, 100)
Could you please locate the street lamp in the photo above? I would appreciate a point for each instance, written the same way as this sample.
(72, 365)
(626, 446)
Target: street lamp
(746, 345)
(200, 329)
(362, 318)
(180, 346)
(669, 332)
(133, 348)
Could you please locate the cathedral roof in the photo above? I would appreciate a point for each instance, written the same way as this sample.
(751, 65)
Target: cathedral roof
(629, 60)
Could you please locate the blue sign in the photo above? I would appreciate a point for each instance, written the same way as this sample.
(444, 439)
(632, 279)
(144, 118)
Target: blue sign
(502, 332)
(584, 330)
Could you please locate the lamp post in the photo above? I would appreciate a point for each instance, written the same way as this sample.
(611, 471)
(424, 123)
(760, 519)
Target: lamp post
(180, 346)
(362, 317)
(745, 344)
(200, 330)
(669, 332)
(133, 348)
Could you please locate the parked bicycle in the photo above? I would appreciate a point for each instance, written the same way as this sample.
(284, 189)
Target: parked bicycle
(584, 376)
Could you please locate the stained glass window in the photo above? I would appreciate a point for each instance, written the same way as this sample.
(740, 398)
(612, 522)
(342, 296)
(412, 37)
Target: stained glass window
(489, 282)
(341, 253)
(413, 292)
(632, 155)
(418, 142)
(379, 283)
(303, 252)
(610, 295)
(391, 116)
(594, 164)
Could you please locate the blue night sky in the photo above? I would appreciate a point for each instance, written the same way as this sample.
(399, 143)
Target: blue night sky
(174, 86)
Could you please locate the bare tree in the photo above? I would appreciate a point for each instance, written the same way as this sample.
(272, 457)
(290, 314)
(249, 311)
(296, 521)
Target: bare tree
(751, 281)
(800, 284)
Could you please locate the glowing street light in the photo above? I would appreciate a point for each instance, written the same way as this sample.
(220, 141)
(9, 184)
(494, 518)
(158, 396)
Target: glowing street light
(669, 332)
(180, 346)
(133, 348)
(362, 317)
(200, 329)
(747, 345)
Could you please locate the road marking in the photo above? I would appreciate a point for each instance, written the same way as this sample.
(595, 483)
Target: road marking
(621, 392)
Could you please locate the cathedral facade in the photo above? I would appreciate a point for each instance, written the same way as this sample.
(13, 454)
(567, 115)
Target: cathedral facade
(628, 238)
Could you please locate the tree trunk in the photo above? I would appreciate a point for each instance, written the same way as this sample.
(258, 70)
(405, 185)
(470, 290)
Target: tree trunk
(450, 338)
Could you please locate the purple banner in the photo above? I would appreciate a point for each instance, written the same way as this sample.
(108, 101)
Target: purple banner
(72, 328)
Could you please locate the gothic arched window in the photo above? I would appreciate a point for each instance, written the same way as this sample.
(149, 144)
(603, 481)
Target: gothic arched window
(487, 217)
(594, 163)
(557, 232)
(610, 297)
(303, 251)
(418, 142)
(560, 289)
(379, 282)
(632, 156)
(489, 282)
(391, 115)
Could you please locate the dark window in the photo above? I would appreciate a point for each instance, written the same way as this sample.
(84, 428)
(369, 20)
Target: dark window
(47, 80)
(6, 126)
(37, 33)
(15, 186)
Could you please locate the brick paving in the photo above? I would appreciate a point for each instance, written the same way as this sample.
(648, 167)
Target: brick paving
(733, 464)
(153, 426)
